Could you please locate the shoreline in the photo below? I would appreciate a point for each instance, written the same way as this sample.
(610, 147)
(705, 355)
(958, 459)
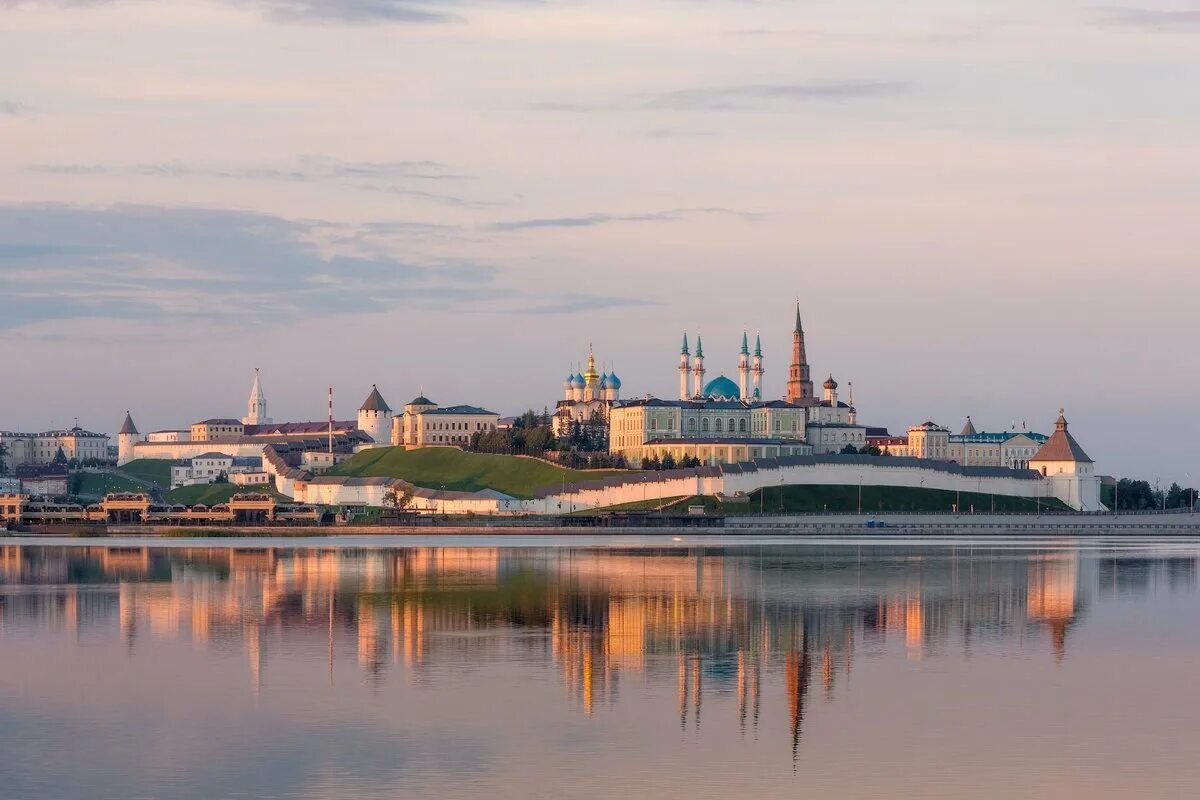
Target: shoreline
(797, 526)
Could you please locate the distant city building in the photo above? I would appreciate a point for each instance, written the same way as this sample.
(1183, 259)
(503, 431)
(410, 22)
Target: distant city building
(424, 423)
(213, 466)
(25, 449)
(241, 438)
(1014, 449)
(722, 420)
(586, 396)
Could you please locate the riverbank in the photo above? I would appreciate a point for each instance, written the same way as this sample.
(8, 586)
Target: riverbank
(906, 524)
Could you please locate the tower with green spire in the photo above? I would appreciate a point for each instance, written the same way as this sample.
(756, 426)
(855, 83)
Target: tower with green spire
(756, 367)
(744, 368)
(698, 369)
(684, 367)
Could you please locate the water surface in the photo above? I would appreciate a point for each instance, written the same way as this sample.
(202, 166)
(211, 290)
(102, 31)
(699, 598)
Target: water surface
(641, 667)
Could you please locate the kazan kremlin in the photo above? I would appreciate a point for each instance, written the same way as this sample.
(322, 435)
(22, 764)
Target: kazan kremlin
(735, 437)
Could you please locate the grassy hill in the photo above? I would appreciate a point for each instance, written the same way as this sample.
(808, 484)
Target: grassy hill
(154, 470)
(812, 498)
(445, 467)
(98, 484)
(211, 493)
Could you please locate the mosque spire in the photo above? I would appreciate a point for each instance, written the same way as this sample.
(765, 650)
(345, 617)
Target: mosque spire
(745, 344)
(684, 351)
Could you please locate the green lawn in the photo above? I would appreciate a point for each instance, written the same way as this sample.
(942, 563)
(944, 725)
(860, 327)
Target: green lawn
(810, 498)
(98, 484)
(438, 467)
(211, 493)
(154, 470)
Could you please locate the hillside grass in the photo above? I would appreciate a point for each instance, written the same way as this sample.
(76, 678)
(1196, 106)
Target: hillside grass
(212, 493)
(875, 499)
(98, 484)
(457, 470)
(154, 470)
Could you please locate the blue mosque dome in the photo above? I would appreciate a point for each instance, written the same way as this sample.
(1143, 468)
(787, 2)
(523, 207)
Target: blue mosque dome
(721, 388)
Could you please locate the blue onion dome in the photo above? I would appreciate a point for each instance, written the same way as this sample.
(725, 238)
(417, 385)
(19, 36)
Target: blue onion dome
(614, 382)
(576, 381)
(604, 381)
(569, 381)
(721, 388)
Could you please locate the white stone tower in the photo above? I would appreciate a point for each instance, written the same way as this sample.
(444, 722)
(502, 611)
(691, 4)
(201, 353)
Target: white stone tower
(744, 368)
(685, 358)
(756, 367)
(698, 370)
(256, 404)
(375, 417)
(127, 437)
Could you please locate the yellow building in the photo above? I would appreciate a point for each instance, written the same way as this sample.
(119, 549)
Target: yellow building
(424, 424)
(714, 431)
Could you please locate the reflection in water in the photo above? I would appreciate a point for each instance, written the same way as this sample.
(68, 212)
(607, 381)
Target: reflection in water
(755, 625)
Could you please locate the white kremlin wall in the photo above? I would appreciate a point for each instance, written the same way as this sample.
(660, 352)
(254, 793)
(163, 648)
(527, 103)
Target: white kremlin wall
(1075, 492)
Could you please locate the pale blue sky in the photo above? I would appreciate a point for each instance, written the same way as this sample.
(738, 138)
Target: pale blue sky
(984, 208)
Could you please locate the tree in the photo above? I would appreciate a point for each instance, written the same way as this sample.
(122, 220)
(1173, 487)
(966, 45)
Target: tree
(60, 458)
(849, 450)
(398, 499)
(871, 450)
(668, 461)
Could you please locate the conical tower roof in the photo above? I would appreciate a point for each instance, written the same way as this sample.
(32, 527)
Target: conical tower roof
(969, 428)
(128, 427)
(1061, 446)
(745, 344)
(374, 401)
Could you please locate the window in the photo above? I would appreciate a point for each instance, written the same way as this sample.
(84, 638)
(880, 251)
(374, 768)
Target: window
(719, 429)
(742, 426)
(704, 426)
(777, 425)
(692, 425)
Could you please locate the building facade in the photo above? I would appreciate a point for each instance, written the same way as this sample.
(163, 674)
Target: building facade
(425, 424)
(36, 449)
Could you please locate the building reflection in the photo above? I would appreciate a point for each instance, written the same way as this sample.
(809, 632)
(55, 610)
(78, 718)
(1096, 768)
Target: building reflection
(716, 622)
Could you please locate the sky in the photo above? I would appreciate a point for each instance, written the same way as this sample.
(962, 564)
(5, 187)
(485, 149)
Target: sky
(985, 208)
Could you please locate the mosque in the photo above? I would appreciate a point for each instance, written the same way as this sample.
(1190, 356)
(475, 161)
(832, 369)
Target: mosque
(722, 420)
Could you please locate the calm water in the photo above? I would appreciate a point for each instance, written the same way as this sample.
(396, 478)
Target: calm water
(638, 669)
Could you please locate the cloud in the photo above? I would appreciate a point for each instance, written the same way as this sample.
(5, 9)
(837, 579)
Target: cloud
(347, 12)
(10, 108)
(368, 176)
(179, 264)
(308, 168)
(729, 98)
(740, 98)
(592, 220)
(1151, 19)
(576, 302)
(357, 12)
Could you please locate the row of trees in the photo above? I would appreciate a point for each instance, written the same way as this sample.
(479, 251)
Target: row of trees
(1137, 495)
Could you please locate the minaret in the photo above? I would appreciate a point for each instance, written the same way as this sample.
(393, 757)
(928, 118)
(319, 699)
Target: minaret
(256, 405)
(744, 368)
(756, 368)
(127, 437)
(698, 370)
(684, 366)
(799, 385)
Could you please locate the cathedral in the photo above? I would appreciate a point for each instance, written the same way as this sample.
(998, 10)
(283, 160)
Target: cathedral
(585, 395)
